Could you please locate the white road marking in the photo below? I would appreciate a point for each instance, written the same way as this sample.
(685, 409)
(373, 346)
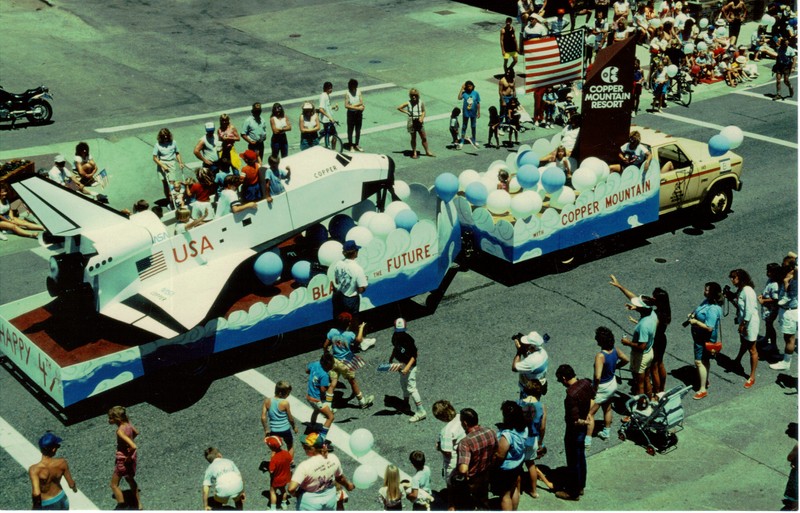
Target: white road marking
(751, 135)
(764, 97)
(195, 117)
(302, 411)
(26, 455)
(402, 124)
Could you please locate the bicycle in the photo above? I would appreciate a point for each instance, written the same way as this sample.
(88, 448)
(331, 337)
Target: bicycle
(680, 87)
(334, 142)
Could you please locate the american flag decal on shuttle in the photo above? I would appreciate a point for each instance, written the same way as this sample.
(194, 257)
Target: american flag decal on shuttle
(152, 265)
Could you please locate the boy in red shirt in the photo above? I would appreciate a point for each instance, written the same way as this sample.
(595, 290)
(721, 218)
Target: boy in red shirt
(280, 472)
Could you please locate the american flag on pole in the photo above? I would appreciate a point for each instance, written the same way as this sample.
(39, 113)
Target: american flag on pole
(551, 60)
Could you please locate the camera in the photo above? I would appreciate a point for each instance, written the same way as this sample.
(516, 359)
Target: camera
(688, 321)
(516, 337)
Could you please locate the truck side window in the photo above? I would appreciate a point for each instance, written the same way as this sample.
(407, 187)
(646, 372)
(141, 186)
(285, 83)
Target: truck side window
(673, 155)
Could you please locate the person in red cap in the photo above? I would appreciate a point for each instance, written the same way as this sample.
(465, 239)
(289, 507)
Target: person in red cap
(405, 351)
(279, 472)
(254, 185)
(46, 476)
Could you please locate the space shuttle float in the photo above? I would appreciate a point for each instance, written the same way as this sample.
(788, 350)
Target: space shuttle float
(171, 298)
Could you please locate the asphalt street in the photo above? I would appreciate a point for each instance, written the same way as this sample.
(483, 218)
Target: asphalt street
(122, 70)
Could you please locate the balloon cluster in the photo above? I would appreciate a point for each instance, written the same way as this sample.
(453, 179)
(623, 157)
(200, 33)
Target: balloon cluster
(361, 442)
(729, 138)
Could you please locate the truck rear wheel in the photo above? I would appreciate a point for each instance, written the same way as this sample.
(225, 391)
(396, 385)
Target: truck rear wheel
(718, 202)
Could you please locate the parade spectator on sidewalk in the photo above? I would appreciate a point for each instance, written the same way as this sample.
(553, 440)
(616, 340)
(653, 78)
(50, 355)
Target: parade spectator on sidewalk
(254, 131)
(747, 318)
(735, 13)
(404, 350)
(46, 476)
(530, 360)
(126, 456)
(508, 45)
(309, 126)
(414, 108)
(475, 456)
(85, 166)
(787, 314)
(641, 344)
(536, 416)
(768, 300)
(449, 437)
(510, 454)
(418, 491)
(9, 221)
(280, 473)
(325, 111)
(280, 124)
(354, 103)
(790, 497)
(62, 175)
(576, 408)
(224, 478)
(313, 481)
(208, 147)
(606, 363)
(228, 135)
(705, 321)
(784, 65)
(167, 158)
(470, 109)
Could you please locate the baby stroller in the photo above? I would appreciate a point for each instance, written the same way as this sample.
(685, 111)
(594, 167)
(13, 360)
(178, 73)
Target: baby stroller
(654, 424)
(514, 121)
(565, 107)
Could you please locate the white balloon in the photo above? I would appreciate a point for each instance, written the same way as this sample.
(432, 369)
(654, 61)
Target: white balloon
(563, 197)
(381, 225)
(394, 207)
(360, 234)
(490, 180)
(703, 23)
(330, 252)
(734, 134)
(365, 218)
(498, 202)
(402, 190)
(525, 204)
(364, 476)
(361, 441)
(672, 70)
(542, 147)
(584, 179)
(597, 165)
(513, 185)
(511, 162)
(467, 177)
(523, 148)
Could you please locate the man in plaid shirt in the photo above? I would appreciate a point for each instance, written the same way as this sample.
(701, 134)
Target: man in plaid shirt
(576, 409)
(475, 456)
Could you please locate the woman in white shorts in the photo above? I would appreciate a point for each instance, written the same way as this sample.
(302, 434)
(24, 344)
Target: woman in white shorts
(606, 363)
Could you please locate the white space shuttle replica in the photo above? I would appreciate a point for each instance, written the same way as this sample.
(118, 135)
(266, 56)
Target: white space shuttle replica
(135, 271)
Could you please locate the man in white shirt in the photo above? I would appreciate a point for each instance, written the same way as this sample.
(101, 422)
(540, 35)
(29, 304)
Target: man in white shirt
(349, 282)
(531, 360)
(325, 110)
(228, 201)
(450, 435)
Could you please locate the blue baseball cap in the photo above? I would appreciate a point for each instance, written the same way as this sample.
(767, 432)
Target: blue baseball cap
(49, 440)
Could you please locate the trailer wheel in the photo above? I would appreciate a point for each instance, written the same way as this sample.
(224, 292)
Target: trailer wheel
(651, 450)
(718, 202)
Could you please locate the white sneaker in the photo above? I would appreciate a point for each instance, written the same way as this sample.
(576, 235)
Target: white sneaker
(418, 416)
(3, 236)
(366, 402)
(367, 343)
(781, 365)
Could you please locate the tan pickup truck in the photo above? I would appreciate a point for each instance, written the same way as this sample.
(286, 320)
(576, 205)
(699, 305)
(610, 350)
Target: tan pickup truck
(691, 177)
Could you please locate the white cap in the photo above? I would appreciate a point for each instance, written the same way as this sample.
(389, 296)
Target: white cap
(720, 22)
(59, 158)
(532, 339)
(209, 126)
(400, 324)
(638, 302)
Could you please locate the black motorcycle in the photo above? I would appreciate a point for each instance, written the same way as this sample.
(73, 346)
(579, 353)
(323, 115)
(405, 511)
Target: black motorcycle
(32, 104)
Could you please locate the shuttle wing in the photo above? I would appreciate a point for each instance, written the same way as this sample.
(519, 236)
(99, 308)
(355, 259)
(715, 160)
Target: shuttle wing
(180, 302)
(62, 211)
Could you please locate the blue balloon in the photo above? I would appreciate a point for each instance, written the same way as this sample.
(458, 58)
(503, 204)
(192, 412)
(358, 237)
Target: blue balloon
(268, 268)
(317, 233)
(406, 219)
(527, 157)
(528, 176)
(301, 272)
(553, 178)
(446, 185)
(718, 145)
(339, 225)
(476, 193)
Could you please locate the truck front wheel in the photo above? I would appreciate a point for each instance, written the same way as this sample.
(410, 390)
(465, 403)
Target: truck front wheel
(718, 202)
